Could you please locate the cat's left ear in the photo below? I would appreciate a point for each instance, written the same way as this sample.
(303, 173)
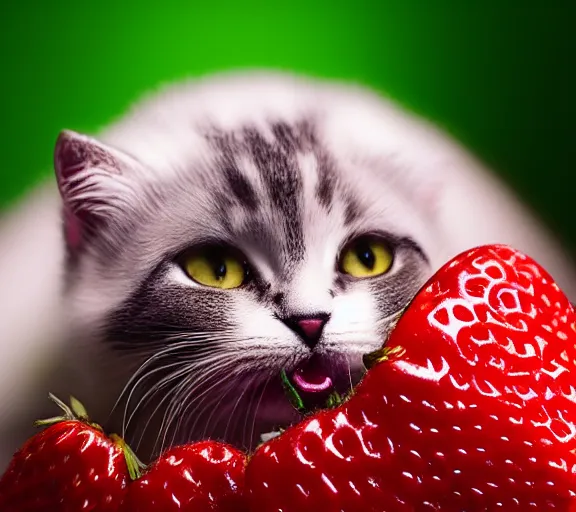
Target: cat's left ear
(93, 184)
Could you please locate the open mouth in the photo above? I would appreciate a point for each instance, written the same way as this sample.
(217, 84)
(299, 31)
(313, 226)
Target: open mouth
(319, 382)
(319, 379)
(312, 376)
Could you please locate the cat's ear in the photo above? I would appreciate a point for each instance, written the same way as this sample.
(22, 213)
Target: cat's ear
(92, 182)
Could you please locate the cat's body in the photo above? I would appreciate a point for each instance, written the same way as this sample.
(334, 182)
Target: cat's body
(285, 171)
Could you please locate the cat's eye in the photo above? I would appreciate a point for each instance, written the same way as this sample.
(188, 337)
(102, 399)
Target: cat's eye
(366, 257)
(217, 268)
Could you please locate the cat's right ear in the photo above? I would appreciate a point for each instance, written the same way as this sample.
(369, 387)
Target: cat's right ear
(92, 182)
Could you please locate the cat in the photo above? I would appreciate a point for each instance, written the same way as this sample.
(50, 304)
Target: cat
(227, 233)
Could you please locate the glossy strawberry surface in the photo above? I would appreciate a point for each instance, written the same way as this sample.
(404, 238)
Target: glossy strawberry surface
(73, 466)
(475, 411)
(68, 467)
(201, 477)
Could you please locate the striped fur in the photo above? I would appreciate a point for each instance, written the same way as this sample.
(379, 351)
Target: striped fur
(286, 170)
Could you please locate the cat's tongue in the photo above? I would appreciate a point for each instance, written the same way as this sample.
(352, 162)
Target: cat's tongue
(311, 377)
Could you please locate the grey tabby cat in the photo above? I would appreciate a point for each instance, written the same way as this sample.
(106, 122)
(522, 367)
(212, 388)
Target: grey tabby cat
(225, 231)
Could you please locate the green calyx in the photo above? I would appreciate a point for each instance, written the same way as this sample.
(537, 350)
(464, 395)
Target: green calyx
(135, 466)
(77, 412)
(334, 400)
(292, 392)
(381, 355)
(74, 411)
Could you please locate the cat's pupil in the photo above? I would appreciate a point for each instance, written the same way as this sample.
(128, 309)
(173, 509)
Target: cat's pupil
(220, 269)
(365, 255)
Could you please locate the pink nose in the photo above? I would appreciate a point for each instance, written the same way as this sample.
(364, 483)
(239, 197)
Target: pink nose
(308, 327)
(311, 327)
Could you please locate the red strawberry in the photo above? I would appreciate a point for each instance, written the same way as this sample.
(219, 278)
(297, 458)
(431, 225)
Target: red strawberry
(70, 466)
(471, 407)
(200, 477)
(73, 466)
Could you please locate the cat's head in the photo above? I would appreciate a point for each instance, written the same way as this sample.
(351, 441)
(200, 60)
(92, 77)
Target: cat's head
(212, 248)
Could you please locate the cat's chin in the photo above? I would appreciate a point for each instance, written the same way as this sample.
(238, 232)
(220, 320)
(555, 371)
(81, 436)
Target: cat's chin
(255, 407)
(275, 412)
(268, 410)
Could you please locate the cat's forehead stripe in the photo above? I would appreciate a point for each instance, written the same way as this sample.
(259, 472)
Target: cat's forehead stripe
(326, 180)
(237, 183)
(275, 181)
(241, 187)
(352, 210)
(277, 163)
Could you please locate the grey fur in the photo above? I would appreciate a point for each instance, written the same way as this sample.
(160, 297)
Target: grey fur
(269, 222)
(287, 171)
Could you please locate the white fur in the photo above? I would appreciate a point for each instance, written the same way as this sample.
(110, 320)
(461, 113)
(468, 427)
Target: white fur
(475, 207)
(451, 188)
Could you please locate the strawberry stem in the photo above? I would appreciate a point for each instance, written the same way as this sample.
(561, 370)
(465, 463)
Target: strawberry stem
(292, 392)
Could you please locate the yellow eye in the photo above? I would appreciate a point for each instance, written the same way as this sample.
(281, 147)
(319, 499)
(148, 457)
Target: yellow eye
(215, 268)
(366, 258)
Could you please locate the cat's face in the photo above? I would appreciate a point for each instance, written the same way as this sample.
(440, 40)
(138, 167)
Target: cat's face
(267, 254)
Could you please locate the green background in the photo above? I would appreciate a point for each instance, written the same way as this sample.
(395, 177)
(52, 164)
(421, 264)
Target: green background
(500, 77)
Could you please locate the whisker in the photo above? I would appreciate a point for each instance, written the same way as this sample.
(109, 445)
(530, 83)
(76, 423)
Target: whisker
(182, 413)
(215, 408)
(151, 392)
(175, 408)
(255, 415)
(187, 369)
(350, 374)
(198, 401)
(238, 400)
(173, 328)
(170, 392)
(179, 376)
(175, 392)
(152, 359)
(146, 375)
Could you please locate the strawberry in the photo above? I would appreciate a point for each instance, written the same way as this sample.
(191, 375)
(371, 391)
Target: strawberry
(74, 466)
(200, 477)
(70, 466)
(470, 406)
